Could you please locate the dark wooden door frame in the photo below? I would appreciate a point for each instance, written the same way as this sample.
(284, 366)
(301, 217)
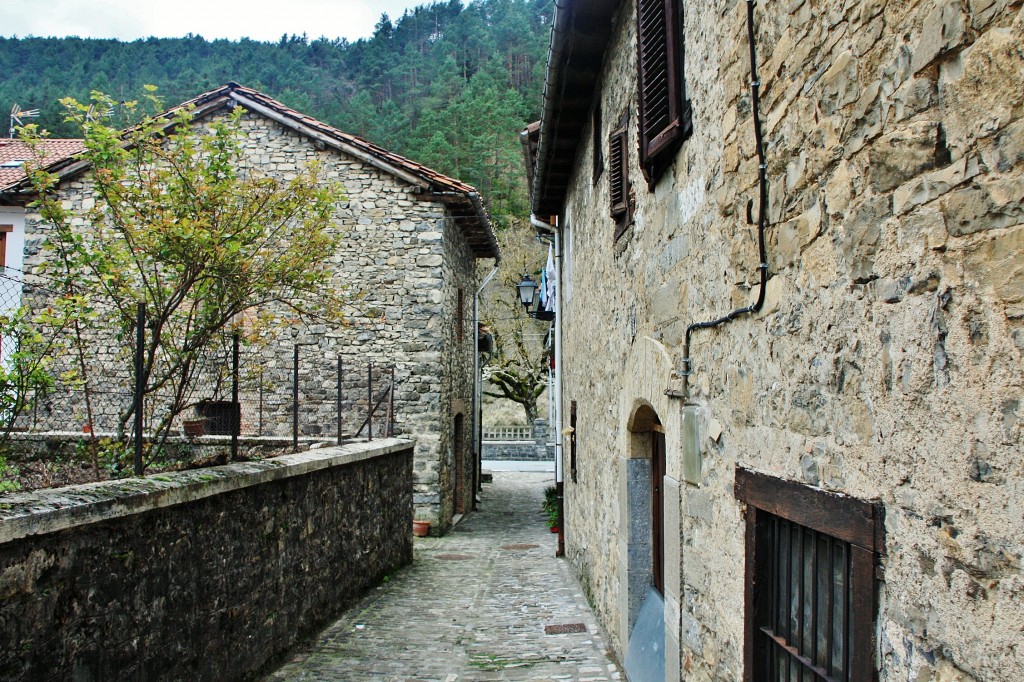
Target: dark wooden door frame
(658, 510)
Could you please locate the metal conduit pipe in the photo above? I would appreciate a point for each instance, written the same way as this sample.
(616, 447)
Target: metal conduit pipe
(762, 174)
(478, 388)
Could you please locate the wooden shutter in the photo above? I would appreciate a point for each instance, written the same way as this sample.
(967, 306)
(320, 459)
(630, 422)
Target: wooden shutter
(618, 173)
(665, 115)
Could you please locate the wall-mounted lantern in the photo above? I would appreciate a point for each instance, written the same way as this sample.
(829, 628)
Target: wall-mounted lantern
(527, 294)
(527, 290)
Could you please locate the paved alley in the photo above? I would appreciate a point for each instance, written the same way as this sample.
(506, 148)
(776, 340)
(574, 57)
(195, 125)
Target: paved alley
(487, 602)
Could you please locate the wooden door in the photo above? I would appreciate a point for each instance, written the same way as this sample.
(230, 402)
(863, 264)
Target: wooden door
(658, 509)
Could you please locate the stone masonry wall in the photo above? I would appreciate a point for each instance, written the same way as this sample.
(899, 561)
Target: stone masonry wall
(458, 274)
(887, 361)
(401, 260)
(199, 575)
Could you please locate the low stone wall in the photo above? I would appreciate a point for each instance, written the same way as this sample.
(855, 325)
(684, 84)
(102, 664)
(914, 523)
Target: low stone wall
(517, 451)
(201, 575)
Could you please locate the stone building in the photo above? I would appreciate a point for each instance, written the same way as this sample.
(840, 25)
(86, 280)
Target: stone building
(410, 241)
(810, 448)
(13, 155)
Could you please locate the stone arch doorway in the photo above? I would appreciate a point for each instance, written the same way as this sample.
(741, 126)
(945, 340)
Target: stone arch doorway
(645, 472)
(644, 536)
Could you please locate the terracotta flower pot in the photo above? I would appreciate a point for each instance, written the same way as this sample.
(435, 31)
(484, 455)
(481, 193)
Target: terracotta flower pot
(421, 528)
(194, 428)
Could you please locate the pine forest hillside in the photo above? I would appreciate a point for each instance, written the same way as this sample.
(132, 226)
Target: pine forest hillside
(447, 84)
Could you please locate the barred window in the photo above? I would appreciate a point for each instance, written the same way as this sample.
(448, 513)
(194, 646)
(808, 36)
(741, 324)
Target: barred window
(811, 587)
(460, 313)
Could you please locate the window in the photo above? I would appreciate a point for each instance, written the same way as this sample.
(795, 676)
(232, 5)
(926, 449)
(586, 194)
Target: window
(597, 138)
(4, 230)
(459, 314)
(665, 113)
(618, 176)
(572, 440)
(811, 591)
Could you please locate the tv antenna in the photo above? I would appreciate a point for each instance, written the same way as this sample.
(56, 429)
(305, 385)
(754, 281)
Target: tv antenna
(92, 114)
(17, 113)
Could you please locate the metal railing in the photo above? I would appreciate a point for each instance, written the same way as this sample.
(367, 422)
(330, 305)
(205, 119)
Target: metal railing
(508, 433)
(81, 378)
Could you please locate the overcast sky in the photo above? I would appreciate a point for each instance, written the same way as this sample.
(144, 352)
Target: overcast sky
(264, 20)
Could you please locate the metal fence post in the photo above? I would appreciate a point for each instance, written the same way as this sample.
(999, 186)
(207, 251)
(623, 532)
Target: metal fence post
(295, 400)
(140, 349)
(236, 408)
(369, 403)
(339, 398)
(391, 405)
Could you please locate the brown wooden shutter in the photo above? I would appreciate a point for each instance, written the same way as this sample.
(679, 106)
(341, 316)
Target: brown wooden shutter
(618, 172)
(665, 115)
(618, 179)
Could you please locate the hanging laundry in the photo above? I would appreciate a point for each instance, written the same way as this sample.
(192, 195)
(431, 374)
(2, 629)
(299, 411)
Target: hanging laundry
(550, 281)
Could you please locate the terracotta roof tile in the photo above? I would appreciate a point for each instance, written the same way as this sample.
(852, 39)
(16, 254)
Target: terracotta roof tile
(14, 151)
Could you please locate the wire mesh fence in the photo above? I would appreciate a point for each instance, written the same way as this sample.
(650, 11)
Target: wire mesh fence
(64, 373)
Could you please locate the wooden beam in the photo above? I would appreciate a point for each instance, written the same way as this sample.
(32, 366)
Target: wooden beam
(846, 518)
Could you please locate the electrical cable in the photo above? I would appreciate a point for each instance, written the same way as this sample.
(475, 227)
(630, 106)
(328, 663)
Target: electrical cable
(762, 175)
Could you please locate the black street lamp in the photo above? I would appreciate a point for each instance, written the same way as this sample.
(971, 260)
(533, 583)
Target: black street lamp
(527, 289)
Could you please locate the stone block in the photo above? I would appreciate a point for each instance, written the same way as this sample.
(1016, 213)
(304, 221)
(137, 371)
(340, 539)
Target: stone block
(789, 239)
(997, 264)
(942, 31)
(858, 239)
(931, 186)
(986, 205)
(903, 154)
(1006, 150)
(981, 97)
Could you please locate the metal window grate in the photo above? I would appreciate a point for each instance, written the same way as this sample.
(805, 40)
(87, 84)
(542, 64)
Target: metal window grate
(811, 593)
(808, 637)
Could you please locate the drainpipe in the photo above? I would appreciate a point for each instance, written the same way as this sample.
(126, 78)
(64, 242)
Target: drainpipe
(548, 228)
(557, 420)
(478, 389)
(556, 413)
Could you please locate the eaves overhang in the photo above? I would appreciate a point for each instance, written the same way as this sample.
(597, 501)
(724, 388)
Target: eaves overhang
(580, 33)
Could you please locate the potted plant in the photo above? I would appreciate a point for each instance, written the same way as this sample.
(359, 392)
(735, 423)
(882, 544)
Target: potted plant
(420, 529)
(551, 507)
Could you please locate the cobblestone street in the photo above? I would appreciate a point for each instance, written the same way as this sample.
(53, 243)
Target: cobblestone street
(478, 604)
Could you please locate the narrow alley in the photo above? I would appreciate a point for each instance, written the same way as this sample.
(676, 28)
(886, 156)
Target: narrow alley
(489, 601)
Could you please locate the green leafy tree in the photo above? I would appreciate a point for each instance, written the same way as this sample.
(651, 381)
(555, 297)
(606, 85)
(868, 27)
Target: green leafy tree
(183, 226)
(25, 374)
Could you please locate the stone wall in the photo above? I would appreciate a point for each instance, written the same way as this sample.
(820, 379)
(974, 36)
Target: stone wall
(517, 450)
(537, 450)
(887, 361)
(402, 262)
(203, 575)
(453, 343)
